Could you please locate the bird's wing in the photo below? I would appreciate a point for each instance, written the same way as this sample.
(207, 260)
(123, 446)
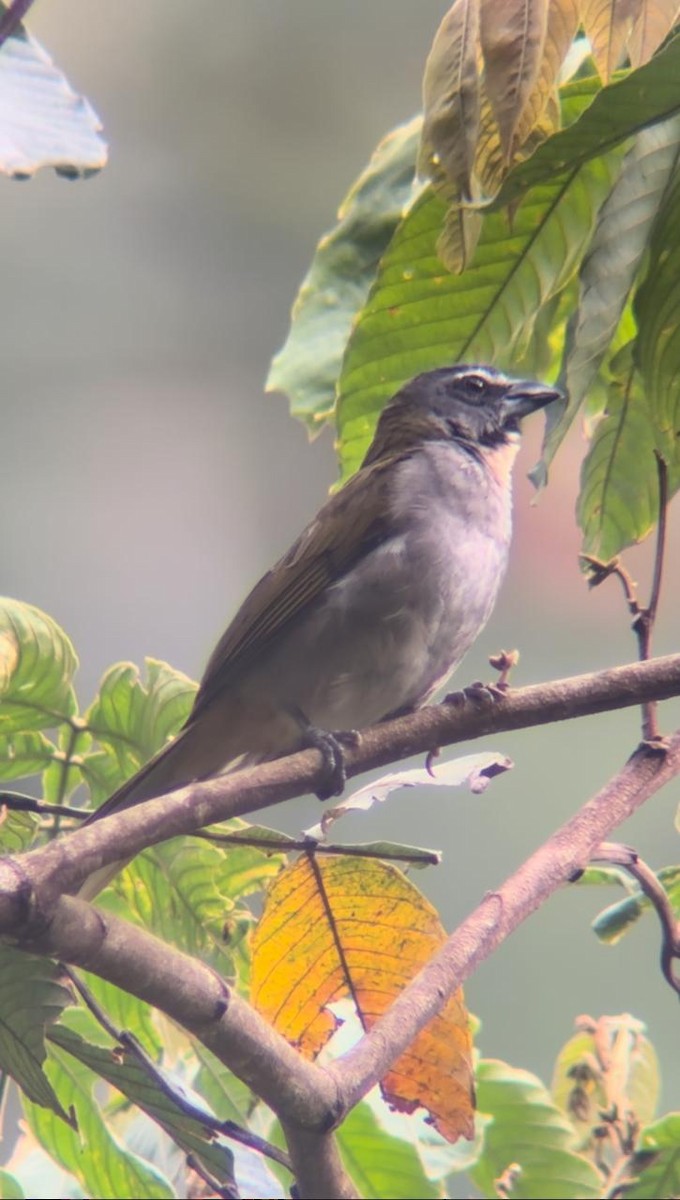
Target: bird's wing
(345, 529)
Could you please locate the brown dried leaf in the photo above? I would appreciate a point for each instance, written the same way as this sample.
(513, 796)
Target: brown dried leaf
(335, 928)
(608, 25)
(656, 19)
(451, 98)
(512, 34)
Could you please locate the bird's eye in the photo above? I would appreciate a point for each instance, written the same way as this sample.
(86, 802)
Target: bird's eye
(476, 384)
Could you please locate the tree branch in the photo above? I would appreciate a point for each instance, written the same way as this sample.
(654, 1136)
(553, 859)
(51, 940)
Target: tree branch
(194, 996)
(564, 854)
(311, 1099)
(65, 863)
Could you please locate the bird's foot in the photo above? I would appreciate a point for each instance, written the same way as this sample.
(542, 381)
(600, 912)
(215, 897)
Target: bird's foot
(476, 693)
(332, 748)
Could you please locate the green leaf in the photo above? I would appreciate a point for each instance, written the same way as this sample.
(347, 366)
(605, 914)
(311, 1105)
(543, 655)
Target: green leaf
(93, 1155)
(131, 719)
(31, 997)
(418, 316)
(228, 1096)
(636, 1067)
(124, 1010)
(656, 1162)
(657, 309)
(162, 1102)
(37, 665)
(186, 891)
(343, 268)
(380, 1164)
(618, 111)
(611, 924)
(605, 876)
(44, 122)
(64, 773)
(23, 754)
(10, 1188)
(528, 1129)
(612, 261)
(618, 504)
(17, 830)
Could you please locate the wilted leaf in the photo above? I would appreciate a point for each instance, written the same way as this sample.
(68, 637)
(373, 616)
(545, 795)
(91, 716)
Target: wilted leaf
(451, 102)
(161, 1100)
(337, 283)
(608, 25)
(631, 1082)
(473, 770)
(656, 19)
(44, 122)
(513, 36)
(334, 928)
(617, 112)
(31, 997)
(528, 1129)
(37, 665)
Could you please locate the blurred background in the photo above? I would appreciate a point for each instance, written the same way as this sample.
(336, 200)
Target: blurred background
(147, 482)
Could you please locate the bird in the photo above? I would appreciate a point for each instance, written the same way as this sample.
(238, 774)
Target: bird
(379, 598)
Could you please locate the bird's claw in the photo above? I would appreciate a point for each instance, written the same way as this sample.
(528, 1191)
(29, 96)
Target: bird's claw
(332, 749)
(477, 693)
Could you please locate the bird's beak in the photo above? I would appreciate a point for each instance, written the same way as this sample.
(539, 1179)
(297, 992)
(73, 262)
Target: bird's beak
(524, 397)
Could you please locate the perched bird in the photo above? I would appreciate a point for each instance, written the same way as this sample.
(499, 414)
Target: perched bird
(378, 599)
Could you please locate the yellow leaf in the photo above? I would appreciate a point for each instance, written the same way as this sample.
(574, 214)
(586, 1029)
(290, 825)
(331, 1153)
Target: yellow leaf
(337, 928)
(608, 25)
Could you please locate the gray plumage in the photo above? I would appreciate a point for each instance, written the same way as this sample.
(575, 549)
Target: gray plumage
(380, 597)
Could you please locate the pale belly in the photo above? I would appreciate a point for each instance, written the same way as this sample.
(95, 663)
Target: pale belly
(389, 633)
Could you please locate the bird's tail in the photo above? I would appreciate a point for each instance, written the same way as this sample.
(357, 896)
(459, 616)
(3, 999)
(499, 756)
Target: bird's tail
(181, 762)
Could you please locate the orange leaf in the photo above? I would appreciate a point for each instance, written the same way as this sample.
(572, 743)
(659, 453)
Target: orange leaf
(337, 928)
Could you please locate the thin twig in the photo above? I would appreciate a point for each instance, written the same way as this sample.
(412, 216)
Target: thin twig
(643, 618)
(650, 885)
(287, 844)
(662, 471)
(129, 1042)
(20, 802)
(643, 624)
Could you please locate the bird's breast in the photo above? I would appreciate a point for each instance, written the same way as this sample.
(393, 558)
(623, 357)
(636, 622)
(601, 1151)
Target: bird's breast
(393, 627)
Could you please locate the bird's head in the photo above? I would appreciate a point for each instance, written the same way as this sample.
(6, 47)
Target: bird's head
(477, 406)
